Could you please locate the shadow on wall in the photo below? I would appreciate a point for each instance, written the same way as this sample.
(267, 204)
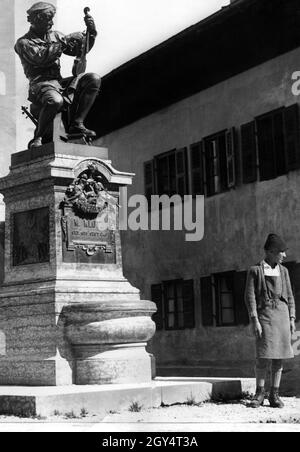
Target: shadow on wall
(2, 344)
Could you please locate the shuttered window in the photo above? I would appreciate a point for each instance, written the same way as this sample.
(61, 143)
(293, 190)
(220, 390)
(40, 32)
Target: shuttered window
(175, 304)
(219, 157)
(171, 173)
(271, 145)
(278, 142)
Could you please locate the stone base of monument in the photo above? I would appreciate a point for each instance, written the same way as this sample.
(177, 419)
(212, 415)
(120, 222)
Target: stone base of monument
(67, 313)
(103, 399)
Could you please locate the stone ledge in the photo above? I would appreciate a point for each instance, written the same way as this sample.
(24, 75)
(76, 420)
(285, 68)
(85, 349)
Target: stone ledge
(43, 401)
(50, 149)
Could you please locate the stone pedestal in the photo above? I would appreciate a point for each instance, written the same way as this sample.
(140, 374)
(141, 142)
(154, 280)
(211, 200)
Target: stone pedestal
(67, 314)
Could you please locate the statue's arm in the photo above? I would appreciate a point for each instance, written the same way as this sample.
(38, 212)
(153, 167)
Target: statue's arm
(92, 30)
(38, 54)
(73, 43)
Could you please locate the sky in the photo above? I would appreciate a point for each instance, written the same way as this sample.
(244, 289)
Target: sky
(128, 28)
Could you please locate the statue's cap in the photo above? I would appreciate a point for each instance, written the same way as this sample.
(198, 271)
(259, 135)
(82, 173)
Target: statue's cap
(41, 7)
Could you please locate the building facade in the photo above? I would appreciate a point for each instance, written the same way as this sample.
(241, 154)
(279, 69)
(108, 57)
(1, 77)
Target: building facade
(213, 111)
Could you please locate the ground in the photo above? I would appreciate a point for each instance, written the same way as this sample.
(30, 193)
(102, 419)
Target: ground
(234, 416)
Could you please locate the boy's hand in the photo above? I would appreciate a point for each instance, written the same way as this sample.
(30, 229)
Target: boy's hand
(256, 327)
(293, 326)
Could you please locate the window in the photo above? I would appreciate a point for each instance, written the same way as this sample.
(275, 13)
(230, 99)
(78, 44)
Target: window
(172, 173)
(167, 174)
(270, 144)
(222, 299)
(175, 304)
(213, 164)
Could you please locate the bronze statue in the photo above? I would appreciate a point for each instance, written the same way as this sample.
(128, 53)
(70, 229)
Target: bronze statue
(40, 50)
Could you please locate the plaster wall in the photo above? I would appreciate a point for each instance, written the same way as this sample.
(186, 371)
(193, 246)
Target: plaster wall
(236, 222)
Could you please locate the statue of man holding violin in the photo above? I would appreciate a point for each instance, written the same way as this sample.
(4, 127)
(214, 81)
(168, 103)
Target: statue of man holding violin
(40, 50)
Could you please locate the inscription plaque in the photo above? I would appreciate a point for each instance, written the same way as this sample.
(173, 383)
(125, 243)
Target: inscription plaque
(87, 240)
(30, 237)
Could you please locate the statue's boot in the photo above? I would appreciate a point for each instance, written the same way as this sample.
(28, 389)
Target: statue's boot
(35, 143)
(79, 128)
(83, 104)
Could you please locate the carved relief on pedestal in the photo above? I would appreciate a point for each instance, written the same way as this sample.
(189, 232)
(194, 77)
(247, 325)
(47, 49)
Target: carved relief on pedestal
(89, 220)
(30, 237)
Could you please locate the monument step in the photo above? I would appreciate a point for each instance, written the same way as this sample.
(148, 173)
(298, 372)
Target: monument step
(100, 400)
(235, 370)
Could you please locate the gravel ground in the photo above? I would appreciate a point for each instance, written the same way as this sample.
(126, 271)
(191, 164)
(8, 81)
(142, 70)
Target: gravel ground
(230, 413)
(236, 412)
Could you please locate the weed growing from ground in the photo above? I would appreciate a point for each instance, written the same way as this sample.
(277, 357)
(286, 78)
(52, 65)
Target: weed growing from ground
(70, 415)
(190, 401)
(135, 407)
(83, 412)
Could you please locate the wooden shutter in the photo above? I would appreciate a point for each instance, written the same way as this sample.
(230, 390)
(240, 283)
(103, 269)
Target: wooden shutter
(181, 172)
(188, 303)
(196, 153)
(161, 171)
(239, 283)
(207, 301)
(230, 157)
(212, 166)
(279, 144)
(157, 297)
(249, 153)
(149, 179)
(291, 133)
(266, 149)
(221, 167)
